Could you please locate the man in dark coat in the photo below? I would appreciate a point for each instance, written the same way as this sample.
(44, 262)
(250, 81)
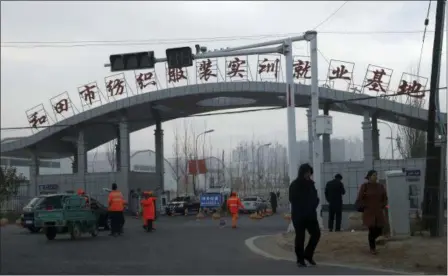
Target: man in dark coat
(334, 190)
(273, 201)
(304, 201)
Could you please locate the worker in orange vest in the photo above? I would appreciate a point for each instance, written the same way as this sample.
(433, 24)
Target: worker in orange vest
(233, 205)
(116, 207)
(83, 194)
(148, 213)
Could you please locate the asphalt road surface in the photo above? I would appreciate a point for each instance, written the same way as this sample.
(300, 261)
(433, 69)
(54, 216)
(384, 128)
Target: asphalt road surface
(180, 245)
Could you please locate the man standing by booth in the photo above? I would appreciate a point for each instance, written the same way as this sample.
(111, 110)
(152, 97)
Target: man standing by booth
(116, 207)
(334, 191)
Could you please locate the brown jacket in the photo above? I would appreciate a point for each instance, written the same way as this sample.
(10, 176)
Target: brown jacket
(373, 197)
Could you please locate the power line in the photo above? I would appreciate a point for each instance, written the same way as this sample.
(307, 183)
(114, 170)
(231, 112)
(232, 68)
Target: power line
(330, 16)
(423, 40)
(135, 42)
(214, 114)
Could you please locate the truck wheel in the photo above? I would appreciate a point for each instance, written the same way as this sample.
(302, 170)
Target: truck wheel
(75, 231)
(94, 231)
(51, 233)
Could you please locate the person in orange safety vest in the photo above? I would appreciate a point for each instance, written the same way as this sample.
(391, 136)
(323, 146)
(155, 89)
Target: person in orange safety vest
(116, 207)
(233, 205)
(148, 211)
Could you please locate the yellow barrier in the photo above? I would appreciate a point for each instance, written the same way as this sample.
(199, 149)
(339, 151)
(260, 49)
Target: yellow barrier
(4, 221)
(255, 216)
(216, 216)
(200, 215)
(287, 217)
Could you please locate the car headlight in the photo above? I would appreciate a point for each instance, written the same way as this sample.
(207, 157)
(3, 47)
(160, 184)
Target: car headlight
(181, 205)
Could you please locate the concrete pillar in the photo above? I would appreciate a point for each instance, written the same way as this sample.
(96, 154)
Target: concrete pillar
(326, 142)
(375, 138)
(310, 136)
(81, 154)
(34, 173)
(125, 158)
(75, 163)
(367, 142)
(158, 133)
(117, 150)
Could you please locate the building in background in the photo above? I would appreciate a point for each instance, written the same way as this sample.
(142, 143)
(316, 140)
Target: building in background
(141, 161)
(22, 165)
(341, 150)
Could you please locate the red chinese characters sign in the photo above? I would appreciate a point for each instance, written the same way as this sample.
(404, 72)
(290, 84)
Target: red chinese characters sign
(146, 81)
(377, 79)
(302, 68)
(412, 85)
(176, 76)
(207, 70)
(89, 95)
(62, 106)
(341, 71)
(268, 68)
(37, 117)
(236, 69)
(116, 85)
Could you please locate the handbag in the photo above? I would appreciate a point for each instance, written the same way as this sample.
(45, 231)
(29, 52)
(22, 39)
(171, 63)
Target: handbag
(358, 205)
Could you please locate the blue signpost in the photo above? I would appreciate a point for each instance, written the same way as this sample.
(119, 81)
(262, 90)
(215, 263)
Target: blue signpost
(211, 200)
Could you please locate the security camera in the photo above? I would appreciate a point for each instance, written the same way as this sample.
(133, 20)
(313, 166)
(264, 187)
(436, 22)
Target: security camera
(203, 49)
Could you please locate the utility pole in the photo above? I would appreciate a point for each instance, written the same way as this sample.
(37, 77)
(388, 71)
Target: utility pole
(432, 193)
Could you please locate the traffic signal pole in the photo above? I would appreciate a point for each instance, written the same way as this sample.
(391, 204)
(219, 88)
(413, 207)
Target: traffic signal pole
(285, 49)
(432, 192)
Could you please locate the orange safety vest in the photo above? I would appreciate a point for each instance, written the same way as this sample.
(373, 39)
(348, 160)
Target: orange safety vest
(148, 208)
(116, 201)
(233, 204)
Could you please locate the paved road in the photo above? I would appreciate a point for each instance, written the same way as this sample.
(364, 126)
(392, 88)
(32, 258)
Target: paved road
(181, 245)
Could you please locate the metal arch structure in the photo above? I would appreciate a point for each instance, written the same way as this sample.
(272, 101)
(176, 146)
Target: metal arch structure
(99, 124)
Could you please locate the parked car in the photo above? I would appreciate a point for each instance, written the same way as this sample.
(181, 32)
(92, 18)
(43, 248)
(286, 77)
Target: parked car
(253, 204)
(183, 203)
(54, 201)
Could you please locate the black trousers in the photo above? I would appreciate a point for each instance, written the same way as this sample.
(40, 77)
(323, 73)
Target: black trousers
(374, 233)
(116, 221)
(312, 226)
(274, 209)
(149, 226)
(334, 211)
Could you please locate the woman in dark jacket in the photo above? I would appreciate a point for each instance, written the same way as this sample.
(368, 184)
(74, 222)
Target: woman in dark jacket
(304, 201)
(273, 201)
(372, 201)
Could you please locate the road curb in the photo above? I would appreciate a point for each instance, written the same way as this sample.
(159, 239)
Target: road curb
(250, 243)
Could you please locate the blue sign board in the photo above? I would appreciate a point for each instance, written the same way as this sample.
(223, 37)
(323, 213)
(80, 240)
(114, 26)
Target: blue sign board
(211, 200)
(413, 173)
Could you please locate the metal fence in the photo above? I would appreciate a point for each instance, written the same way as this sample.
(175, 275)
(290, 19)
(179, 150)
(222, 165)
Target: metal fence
(16, 202)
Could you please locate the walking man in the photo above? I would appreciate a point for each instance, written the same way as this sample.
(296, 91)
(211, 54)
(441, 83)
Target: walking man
(334, 191)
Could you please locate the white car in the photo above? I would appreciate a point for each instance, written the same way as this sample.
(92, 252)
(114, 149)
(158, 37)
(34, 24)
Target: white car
(253, 204)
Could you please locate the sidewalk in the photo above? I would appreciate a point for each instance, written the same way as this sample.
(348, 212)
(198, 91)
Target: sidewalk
(413, 255)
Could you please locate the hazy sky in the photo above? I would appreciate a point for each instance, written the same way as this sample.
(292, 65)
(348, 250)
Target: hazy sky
(33, 75)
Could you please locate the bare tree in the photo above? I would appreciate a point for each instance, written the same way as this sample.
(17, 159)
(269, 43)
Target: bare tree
(187, 150)
(177, 159)
(411, 142)
(111, 153)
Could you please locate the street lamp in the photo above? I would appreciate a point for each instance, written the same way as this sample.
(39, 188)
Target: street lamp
(197, 154)
(258, 160)
(391, 138)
